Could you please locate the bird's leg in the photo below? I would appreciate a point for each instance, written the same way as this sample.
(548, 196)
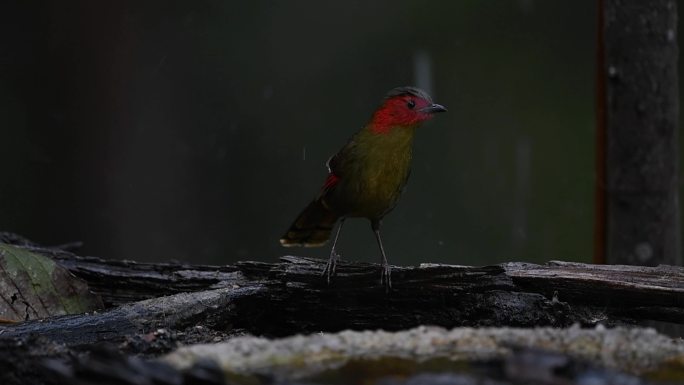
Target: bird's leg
(334, 256)
(386, 272)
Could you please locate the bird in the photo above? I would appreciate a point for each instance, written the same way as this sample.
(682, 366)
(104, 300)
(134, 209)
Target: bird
(366, 176)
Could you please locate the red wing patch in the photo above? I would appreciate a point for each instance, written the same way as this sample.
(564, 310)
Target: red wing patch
(330, 181)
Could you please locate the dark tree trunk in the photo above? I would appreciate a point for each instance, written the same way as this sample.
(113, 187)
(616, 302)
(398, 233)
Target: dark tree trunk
(639, 67)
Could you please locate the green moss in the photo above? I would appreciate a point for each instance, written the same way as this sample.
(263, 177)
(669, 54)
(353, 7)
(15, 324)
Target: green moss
(41, 287)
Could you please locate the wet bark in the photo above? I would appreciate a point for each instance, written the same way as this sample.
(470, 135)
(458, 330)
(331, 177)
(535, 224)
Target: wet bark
(289, 297)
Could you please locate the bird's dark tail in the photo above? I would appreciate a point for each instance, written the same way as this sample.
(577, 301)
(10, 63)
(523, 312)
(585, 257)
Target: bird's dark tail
(312, 227)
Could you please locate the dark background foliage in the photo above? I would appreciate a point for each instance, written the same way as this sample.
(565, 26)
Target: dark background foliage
(196, 131)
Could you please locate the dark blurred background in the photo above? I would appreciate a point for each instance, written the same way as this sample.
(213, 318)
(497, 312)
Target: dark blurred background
(158, 130)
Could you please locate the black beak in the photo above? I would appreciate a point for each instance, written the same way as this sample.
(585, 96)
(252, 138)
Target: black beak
(433, 108)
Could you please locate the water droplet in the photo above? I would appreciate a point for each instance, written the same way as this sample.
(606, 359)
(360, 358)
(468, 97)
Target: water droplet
(267, 92)
(643, 251)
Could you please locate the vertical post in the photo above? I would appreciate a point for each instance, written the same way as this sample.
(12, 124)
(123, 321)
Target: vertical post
(639, 70)
(600, 181)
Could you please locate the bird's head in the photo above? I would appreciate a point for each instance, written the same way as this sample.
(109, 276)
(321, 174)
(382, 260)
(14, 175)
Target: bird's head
(404, 107)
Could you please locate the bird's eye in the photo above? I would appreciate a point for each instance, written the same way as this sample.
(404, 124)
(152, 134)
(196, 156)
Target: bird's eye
(411, 104)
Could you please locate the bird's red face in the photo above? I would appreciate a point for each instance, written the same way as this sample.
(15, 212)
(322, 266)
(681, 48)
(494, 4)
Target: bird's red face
(403, 110)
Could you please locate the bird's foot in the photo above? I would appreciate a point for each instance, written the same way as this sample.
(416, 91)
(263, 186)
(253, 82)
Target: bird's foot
(331, 265)
(386, 276)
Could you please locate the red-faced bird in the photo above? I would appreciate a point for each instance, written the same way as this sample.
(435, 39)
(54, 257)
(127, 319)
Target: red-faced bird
(366, 177)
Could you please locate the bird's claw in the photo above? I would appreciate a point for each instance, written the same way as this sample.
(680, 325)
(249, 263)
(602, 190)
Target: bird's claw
(331, 265)
(386, 276)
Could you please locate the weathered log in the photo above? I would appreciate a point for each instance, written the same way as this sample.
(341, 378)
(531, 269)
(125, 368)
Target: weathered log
(278, 299)
(620, 292)
(122, 281)
(624, 292)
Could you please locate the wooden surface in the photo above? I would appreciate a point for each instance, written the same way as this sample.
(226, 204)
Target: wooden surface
(289, 297)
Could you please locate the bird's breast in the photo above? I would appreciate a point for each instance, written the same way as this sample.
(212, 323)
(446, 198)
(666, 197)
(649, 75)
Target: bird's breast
(375, 184)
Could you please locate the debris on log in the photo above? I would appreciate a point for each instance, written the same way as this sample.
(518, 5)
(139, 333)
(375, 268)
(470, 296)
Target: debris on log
(523, 354)
(424, 355)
